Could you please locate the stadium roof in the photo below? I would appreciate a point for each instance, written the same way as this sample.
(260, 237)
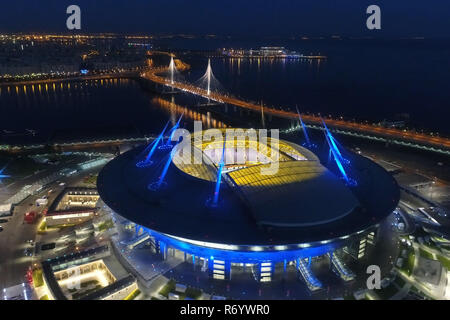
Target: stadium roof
(302, 193)
(303, 202)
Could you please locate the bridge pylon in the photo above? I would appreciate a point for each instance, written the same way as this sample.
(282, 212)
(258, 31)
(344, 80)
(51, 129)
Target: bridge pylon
(208, 81)
(208, 77)
(172, 70)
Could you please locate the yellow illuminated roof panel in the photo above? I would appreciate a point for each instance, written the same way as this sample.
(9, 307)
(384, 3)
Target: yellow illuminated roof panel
(299, 193)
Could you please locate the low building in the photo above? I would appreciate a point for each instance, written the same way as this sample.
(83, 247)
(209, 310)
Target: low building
(84, 276)
(75, 198)
(73, 206)
(58, 218)
(119, 290)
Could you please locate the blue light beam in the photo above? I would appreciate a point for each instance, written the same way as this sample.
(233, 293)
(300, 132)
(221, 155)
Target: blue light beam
(337, 155)
(334, 143)
(219, 177)
(337, 160)
(2, 175)
(154, 144)
(157, 185)
(172, 132)
(308, 142)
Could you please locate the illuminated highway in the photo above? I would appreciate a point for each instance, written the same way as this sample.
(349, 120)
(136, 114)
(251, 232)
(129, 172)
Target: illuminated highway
(388, 133)
(155, 75)
(101, 76)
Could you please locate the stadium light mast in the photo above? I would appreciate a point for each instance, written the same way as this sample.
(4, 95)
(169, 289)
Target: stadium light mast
(337, 156)
(332, 142)
(219, 176)
(213, 202)
(147, 161)
(308, 142)
(263, 120)
(171, 133)
(337, 160)
(176, 126)
(158, 184)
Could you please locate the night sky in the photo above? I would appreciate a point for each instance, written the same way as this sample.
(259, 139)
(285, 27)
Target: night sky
(400, 18)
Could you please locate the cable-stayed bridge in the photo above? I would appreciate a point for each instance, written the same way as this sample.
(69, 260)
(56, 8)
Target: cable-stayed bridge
(210, 88)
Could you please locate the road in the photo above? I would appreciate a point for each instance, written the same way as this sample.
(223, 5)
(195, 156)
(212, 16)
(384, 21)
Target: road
(112, 75)
(13, 261)
(389, 133)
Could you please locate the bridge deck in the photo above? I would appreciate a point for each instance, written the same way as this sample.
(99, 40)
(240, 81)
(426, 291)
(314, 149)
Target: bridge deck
(390, 133)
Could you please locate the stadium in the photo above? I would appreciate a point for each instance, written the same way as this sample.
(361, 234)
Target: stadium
(238, 215)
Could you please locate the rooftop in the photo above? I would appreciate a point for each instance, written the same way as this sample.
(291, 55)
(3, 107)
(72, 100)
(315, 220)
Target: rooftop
(303, 202)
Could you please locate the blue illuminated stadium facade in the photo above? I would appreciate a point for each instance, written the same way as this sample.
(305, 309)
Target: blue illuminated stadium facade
(263, 256)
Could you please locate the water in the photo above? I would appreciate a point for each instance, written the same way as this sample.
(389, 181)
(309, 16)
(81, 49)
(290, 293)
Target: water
(88, 110)
(365, 80)
(404, 80)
